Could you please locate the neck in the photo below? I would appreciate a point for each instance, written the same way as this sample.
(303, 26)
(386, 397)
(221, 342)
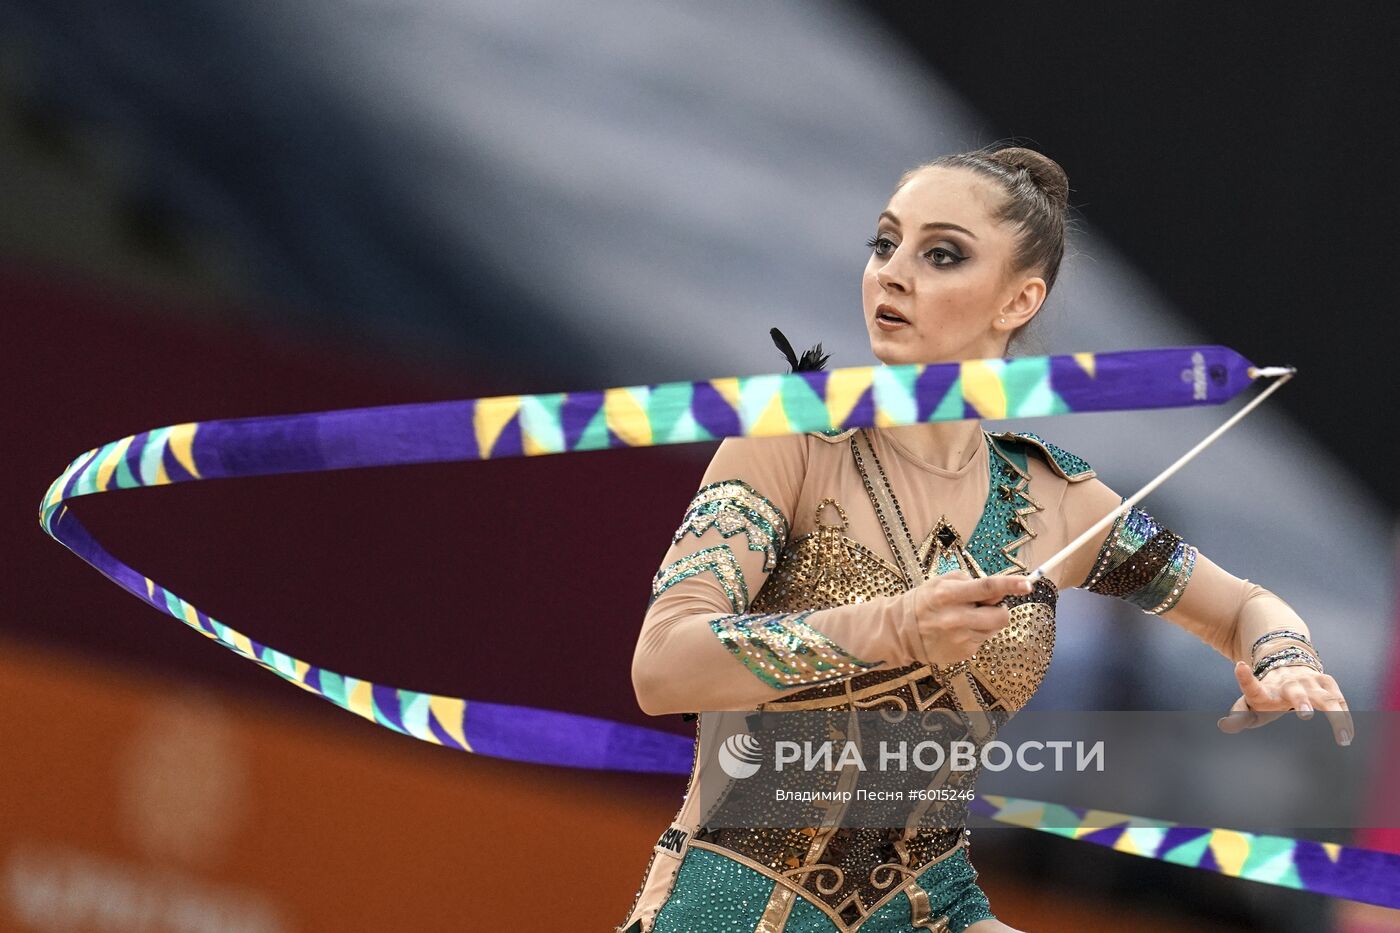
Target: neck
(945, 444)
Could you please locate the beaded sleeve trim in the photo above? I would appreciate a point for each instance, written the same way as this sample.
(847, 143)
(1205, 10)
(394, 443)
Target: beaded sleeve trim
(732, 506)
(783, 650)
(719, 560)
(1142, 562)
(1073, 468)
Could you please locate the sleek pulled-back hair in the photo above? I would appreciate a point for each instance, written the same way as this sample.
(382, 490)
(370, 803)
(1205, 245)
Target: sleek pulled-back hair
(1035, 204)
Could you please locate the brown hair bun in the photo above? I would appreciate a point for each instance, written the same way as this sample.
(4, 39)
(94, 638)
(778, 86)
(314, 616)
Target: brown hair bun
(1044, 171)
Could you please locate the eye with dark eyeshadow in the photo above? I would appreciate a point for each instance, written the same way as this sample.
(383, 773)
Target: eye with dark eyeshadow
(880, 245)
(953, 258)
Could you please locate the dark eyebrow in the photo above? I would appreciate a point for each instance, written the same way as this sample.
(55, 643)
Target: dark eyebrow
(939, 224)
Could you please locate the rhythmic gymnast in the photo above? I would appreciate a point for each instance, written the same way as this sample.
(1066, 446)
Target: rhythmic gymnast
(888, 566)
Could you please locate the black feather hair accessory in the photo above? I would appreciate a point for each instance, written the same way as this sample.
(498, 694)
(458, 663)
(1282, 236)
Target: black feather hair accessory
(811, 359)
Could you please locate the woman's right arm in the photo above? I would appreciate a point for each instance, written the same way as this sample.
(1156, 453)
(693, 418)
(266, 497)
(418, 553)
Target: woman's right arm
(699, 647)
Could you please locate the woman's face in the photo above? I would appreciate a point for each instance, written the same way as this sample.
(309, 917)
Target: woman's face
(940, 262)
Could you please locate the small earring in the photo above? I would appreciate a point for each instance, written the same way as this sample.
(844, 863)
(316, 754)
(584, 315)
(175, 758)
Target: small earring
(1003, 320)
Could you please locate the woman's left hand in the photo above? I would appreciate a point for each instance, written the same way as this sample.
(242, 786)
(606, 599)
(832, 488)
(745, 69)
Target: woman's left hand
(1291, 687)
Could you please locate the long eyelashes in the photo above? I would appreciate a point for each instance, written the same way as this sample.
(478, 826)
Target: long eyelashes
(876, 242)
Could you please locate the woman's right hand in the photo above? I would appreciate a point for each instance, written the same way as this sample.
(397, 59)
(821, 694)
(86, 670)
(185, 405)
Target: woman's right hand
(955, 613)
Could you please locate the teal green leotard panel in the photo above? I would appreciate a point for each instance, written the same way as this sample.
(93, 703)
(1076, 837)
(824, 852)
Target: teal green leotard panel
(716, 894)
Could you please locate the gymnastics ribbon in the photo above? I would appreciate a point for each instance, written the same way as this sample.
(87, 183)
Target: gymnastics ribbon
(565, 422)
(1328, 868)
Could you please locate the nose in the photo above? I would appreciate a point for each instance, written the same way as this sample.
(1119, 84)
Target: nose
(891, 275)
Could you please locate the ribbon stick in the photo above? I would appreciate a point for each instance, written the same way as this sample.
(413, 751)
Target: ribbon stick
(1284, 373)
(630, 416)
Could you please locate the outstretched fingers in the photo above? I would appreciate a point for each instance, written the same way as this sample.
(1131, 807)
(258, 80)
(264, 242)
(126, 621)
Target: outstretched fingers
(1293, 687)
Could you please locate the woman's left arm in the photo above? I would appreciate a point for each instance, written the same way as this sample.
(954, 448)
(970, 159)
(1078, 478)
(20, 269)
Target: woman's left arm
(1143, 562)
(1232, 614)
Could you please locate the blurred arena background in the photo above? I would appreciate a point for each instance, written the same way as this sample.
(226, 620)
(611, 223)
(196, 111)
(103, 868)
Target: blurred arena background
(215, 210)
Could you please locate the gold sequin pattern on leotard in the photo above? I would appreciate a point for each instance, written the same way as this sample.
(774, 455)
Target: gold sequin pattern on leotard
(847, 868)
(1013, 662)
(825, 568)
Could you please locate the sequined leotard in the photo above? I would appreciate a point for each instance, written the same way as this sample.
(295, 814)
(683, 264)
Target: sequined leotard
(787, 585)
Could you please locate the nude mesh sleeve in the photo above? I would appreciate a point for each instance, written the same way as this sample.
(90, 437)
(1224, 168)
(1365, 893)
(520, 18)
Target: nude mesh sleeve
(699, 648)
(1145, 563)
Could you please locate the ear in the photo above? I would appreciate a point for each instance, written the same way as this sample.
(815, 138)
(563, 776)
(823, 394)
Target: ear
(1023, 304)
